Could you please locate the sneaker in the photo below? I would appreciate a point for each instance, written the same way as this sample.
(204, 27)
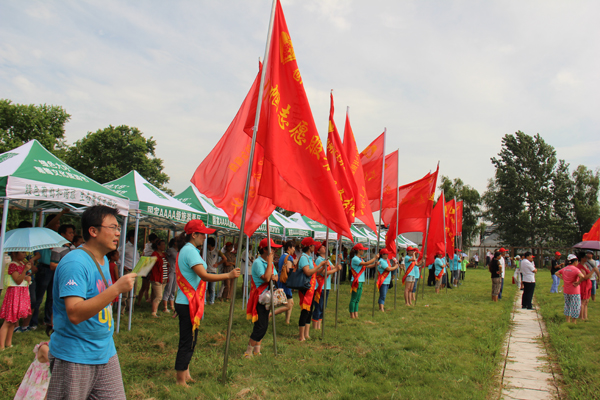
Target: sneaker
(18, 329)
(32, 328)
(26, 329)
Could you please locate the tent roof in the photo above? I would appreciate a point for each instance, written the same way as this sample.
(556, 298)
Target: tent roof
(30, 172)
(157, 207)
(319, 230)
(292, 228)
(215, 217)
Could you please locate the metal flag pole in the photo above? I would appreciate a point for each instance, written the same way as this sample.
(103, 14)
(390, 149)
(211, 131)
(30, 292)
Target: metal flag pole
(133, 256)
(337, 289)
(455, 238)
(323, 289)
(247, 188)
(245, 287)
(425, 259)
(379, 226)
(271, 288)
(445, 236)
(121, 270)
(397, 234)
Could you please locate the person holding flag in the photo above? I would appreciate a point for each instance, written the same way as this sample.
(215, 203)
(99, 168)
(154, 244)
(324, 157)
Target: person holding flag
(455, 267)
(440, 268)
(324, 284)
(412, 272)
(358, 267)
(191, 290)
(384, 270)
(262, 273)
(306, 295)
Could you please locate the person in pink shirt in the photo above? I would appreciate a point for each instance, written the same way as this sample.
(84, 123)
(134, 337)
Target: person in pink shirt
(571, 276)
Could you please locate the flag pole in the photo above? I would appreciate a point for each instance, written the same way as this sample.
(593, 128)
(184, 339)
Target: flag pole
(337, 289)
(271, 288)
(425, 259)
(445, 237)
(456, 241)
(397, 234)
(247, 188)
(323, 290)
(379, 226)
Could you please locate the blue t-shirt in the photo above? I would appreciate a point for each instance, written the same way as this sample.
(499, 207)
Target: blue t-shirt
(439, 265)
(383, 264)
(189, 257)
(45, 256)
(454, 265)
(415, 270)
(357, 267)
(318, 261)
(259, 267)
(91, 341)
(280, 284)
(430, 266)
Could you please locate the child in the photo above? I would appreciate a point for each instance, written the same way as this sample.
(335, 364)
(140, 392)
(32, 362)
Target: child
(113, 258)
(36, 380)
(16, 303)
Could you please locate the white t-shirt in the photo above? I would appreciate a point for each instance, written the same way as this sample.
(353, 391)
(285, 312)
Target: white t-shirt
(527, 268)
(148, 250)
(501, 262)
(212, 257)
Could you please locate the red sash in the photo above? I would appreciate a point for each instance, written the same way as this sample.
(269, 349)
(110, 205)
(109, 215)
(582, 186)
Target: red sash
(251, 312)
(408, 271)
(195, 297)
(321, 282)
(438, 277)
(307, 297)
(382, 277)
(355, 276)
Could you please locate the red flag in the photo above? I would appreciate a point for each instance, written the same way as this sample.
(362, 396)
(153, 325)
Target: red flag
(363, 209)
(222, 174)
(594, 233)
(340, 168)
(459, 217)
(295, 174)
(450, 226)
(371, 158)
(390, 183)
(435, 238)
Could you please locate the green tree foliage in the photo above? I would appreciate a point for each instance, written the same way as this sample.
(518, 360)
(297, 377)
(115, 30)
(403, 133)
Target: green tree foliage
(21, 123)
(471, 205)
(112, 152)
(533, 200)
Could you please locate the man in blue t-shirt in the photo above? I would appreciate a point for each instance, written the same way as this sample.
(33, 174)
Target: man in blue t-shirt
(83, 358)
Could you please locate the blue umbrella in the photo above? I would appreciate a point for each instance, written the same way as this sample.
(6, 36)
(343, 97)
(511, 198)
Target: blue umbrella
(31, 239)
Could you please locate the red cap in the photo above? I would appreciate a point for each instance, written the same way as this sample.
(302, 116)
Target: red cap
(264, 243)
(557, 253)
(359, 246)
(228, 244)
(319, 245)
(197, 225)
(457, 250)
(308, 241)
(384, 251)
(502, 250)
(410, 248)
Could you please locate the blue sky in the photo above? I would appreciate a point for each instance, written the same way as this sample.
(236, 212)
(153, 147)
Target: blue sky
(447, 78)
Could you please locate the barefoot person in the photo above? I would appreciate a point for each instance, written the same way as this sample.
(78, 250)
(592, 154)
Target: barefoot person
(384, 270)
(263, 272)
(358, 267)
(571, 276)
(83, 358)
(191, 290)
(410, 275)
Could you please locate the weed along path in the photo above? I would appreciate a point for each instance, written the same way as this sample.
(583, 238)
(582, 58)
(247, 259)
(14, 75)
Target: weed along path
(527, 374)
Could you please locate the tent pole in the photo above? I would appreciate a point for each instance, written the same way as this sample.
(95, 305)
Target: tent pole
(379, 226)
(337, 288)
(34, 218)
(121, 270)
(135, 241)
(3, 234)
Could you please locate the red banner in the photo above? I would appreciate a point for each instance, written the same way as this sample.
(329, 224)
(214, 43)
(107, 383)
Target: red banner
(594, 233)
(436, 236)
(390, 183)
(450, 214)
(371, 158)
(295, 175)
(363, 209)
(459, 217)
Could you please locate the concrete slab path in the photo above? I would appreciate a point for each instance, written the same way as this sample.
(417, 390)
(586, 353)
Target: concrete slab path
(526, 372)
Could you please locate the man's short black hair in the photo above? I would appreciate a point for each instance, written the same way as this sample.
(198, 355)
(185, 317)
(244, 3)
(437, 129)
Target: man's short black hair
(63, 228)
(94, 216)
(49, 218)
(211, 241)
(131, 234)
(25, 224)
(152, 237)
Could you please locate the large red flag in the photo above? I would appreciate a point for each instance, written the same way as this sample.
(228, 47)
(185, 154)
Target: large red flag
(340, 168)
(416, 202)
(371, 158)
(363, 209)
(459, 217)
(450, 226)
(594, 233)
(435, 238)
(295, 174)
(390, 183)
(222, 174)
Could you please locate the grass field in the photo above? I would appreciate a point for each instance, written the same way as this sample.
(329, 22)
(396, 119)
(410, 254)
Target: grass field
(575, 346)
(447, 347)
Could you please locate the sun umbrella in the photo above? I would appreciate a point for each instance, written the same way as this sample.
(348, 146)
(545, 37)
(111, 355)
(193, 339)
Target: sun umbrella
(31, 239)
(588, 245)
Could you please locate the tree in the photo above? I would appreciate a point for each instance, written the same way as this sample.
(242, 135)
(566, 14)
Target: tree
(112, 152)
(21, 123)
(562, 223)
(471, 205)
(585, 199)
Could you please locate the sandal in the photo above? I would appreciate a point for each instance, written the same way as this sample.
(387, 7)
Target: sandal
(247, 355)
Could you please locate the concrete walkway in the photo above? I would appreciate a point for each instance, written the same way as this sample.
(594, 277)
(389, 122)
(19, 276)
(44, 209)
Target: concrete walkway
(527, 374)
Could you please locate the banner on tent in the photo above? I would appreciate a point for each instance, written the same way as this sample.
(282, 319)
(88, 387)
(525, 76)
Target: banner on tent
(177, 215)
(221, 222)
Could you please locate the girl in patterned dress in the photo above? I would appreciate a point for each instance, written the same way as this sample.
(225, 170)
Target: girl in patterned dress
(16, 303)
(35, 383)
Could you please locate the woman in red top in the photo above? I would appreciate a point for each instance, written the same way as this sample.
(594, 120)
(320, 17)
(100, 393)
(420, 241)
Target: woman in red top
(585, 285)
(159, 274)
(113, 258)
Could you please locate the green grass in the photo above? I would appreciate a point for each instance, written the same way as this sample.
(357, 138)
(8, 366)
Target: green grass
(576, 348)
(447, 347)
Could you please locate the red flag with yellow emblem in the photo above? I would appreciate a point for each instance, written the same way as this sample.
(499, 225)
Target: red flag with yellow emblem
(390, 183)
(450, 226)
(295, 173)
(371, 158)
(594, 233)
(459, 217)
(435, 238)
(363, 209)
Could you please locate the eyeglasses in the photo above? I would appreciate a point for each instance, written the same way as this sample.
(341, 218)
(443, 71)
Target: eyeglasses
(115, 228)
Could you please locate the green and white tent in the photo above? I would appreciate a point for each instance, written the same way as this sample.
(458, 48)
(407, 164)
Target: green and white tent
(373, 237)
(212, 216)
(32, 173)
(156, 207)
(274, 226)
(319, 230)
(292, 228)
(358, 236)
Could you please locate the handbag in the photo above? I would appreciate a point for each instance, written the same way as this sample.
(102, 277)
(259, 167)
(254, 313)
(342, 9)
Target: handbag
(297, 279)
(279, 298)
